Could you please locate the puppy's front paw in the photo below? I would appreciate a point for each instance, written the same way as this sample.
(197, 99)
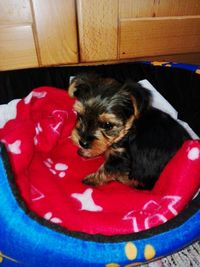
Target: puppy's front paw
(91, 179)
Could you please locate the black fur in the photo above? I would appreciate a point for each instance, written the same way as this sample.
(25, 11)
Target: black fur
(152, 140)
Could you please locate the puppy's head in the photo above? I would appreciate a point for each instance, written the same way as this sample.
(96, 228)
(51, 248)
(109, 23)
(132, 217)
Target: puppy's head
(106, 110)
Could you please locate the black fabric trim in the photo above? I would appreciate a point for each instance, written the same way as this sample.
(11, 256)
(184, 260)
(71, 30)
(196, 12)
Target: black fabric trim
(190, 210)
(179, 86)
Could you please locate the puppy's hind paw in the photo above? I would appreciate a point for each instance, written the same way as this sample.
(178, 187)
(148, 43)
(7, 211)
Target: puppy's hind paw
(90, 180)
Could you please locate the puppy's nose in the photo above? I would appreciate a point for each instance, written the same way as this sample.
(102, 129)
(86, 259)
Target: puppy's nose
(84, 144)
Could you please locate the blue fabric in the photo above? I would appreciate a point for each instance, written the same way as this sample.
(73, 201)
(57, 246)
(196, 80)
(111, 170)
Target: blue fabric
(25, 242)
(174, 65)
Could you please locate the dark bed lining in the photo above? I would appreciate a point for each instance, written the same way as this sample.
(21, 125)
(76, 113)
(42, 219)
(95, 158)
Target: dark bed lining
(179, 86)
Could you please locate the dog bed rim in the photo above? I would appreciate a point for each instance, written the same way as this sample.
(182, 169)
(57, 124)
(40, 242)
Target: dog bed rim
(44, 233)
(190, 211)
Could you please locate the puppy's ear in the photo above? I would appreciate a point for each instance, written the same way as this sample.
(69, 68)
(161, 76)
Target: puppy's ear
(83, 84)
(140, 96)
(72, 88)
(77, 85)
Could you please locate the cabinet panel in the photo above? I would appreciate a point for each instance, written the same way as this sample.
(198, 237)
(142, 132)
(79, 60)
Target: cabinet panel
(15, 11)
(136, 8)
(158, 8)
(159, 36)
(177, 8)
(56, 31)
(98, 29)
(17, 48)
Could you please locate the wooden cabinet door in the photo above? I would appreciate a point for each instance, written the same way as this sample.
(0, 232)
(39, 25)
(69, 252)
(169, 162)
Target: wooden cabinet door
(56, 33)
(17, 45)
(37, 33)
(98, 29)
(158, 27)
(129, 29)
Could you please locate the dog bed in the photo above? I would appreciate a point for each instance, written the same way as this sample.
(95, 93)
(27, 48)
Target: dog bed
(48, 217)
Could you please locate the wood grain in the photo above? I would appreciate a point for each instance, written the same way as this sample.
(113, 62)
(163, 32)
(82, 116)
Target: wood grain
(56, 35)
(158, 8)
(98, 29)
(45, 32)
(159, 36)
(136, 8)
(17, 48)
(15, 11)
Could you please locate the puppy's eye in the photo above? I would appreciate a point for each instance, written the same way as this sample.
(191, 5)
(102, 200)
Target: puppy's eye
(106, 125)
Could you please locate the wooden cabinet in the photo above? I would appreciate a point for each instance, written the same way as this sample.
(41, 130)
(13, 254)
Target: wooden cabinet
(98, 30)
(37, 33)
(56, 34)
(17, 49)
(158, 27)
(131, 29)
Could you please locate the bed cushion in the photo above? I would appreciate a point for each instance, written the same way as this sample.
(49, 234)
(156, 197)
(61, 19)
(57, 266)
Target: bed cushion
(48, 172)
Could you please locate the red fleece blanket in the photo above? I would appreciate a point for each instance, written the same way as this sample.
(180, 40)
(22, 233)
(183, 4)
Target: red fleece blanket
(48, 172)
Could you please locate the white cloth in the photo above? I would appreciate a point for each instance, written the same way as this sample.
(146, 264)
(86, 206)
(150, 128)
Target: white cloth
(159, 102)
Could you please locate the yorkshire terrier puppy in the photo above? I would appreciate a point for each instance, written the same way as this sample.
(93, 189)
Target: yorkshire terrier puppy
(117, 120)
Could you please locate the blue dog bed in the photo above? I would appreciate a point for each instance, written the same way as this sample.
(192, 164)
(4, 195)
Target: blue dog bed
(28, 240)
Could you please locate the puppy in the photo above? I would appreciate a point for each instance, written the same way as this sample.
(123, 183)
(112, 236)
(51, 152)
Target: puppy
(117, 120)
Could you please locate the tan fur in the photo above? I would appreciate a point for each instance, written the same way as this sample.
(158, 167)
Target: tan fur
(98, 178)
(124, 130)
(114, 151)
(98, 148)
(72, 89)
(102, 177)
(75, 137)
(103, 141)
(78, 107)
(107, 117)
(136, 111)
(99, 133)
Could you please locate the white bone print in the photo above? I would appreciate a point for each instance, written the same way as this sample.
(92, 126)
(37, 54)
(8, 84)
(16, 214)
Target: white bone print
(86, 200)
(168, 202)
(194, 153)
(38, 130)
(61, 115)
(36, 194)
(8, 112)
(15, 147)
